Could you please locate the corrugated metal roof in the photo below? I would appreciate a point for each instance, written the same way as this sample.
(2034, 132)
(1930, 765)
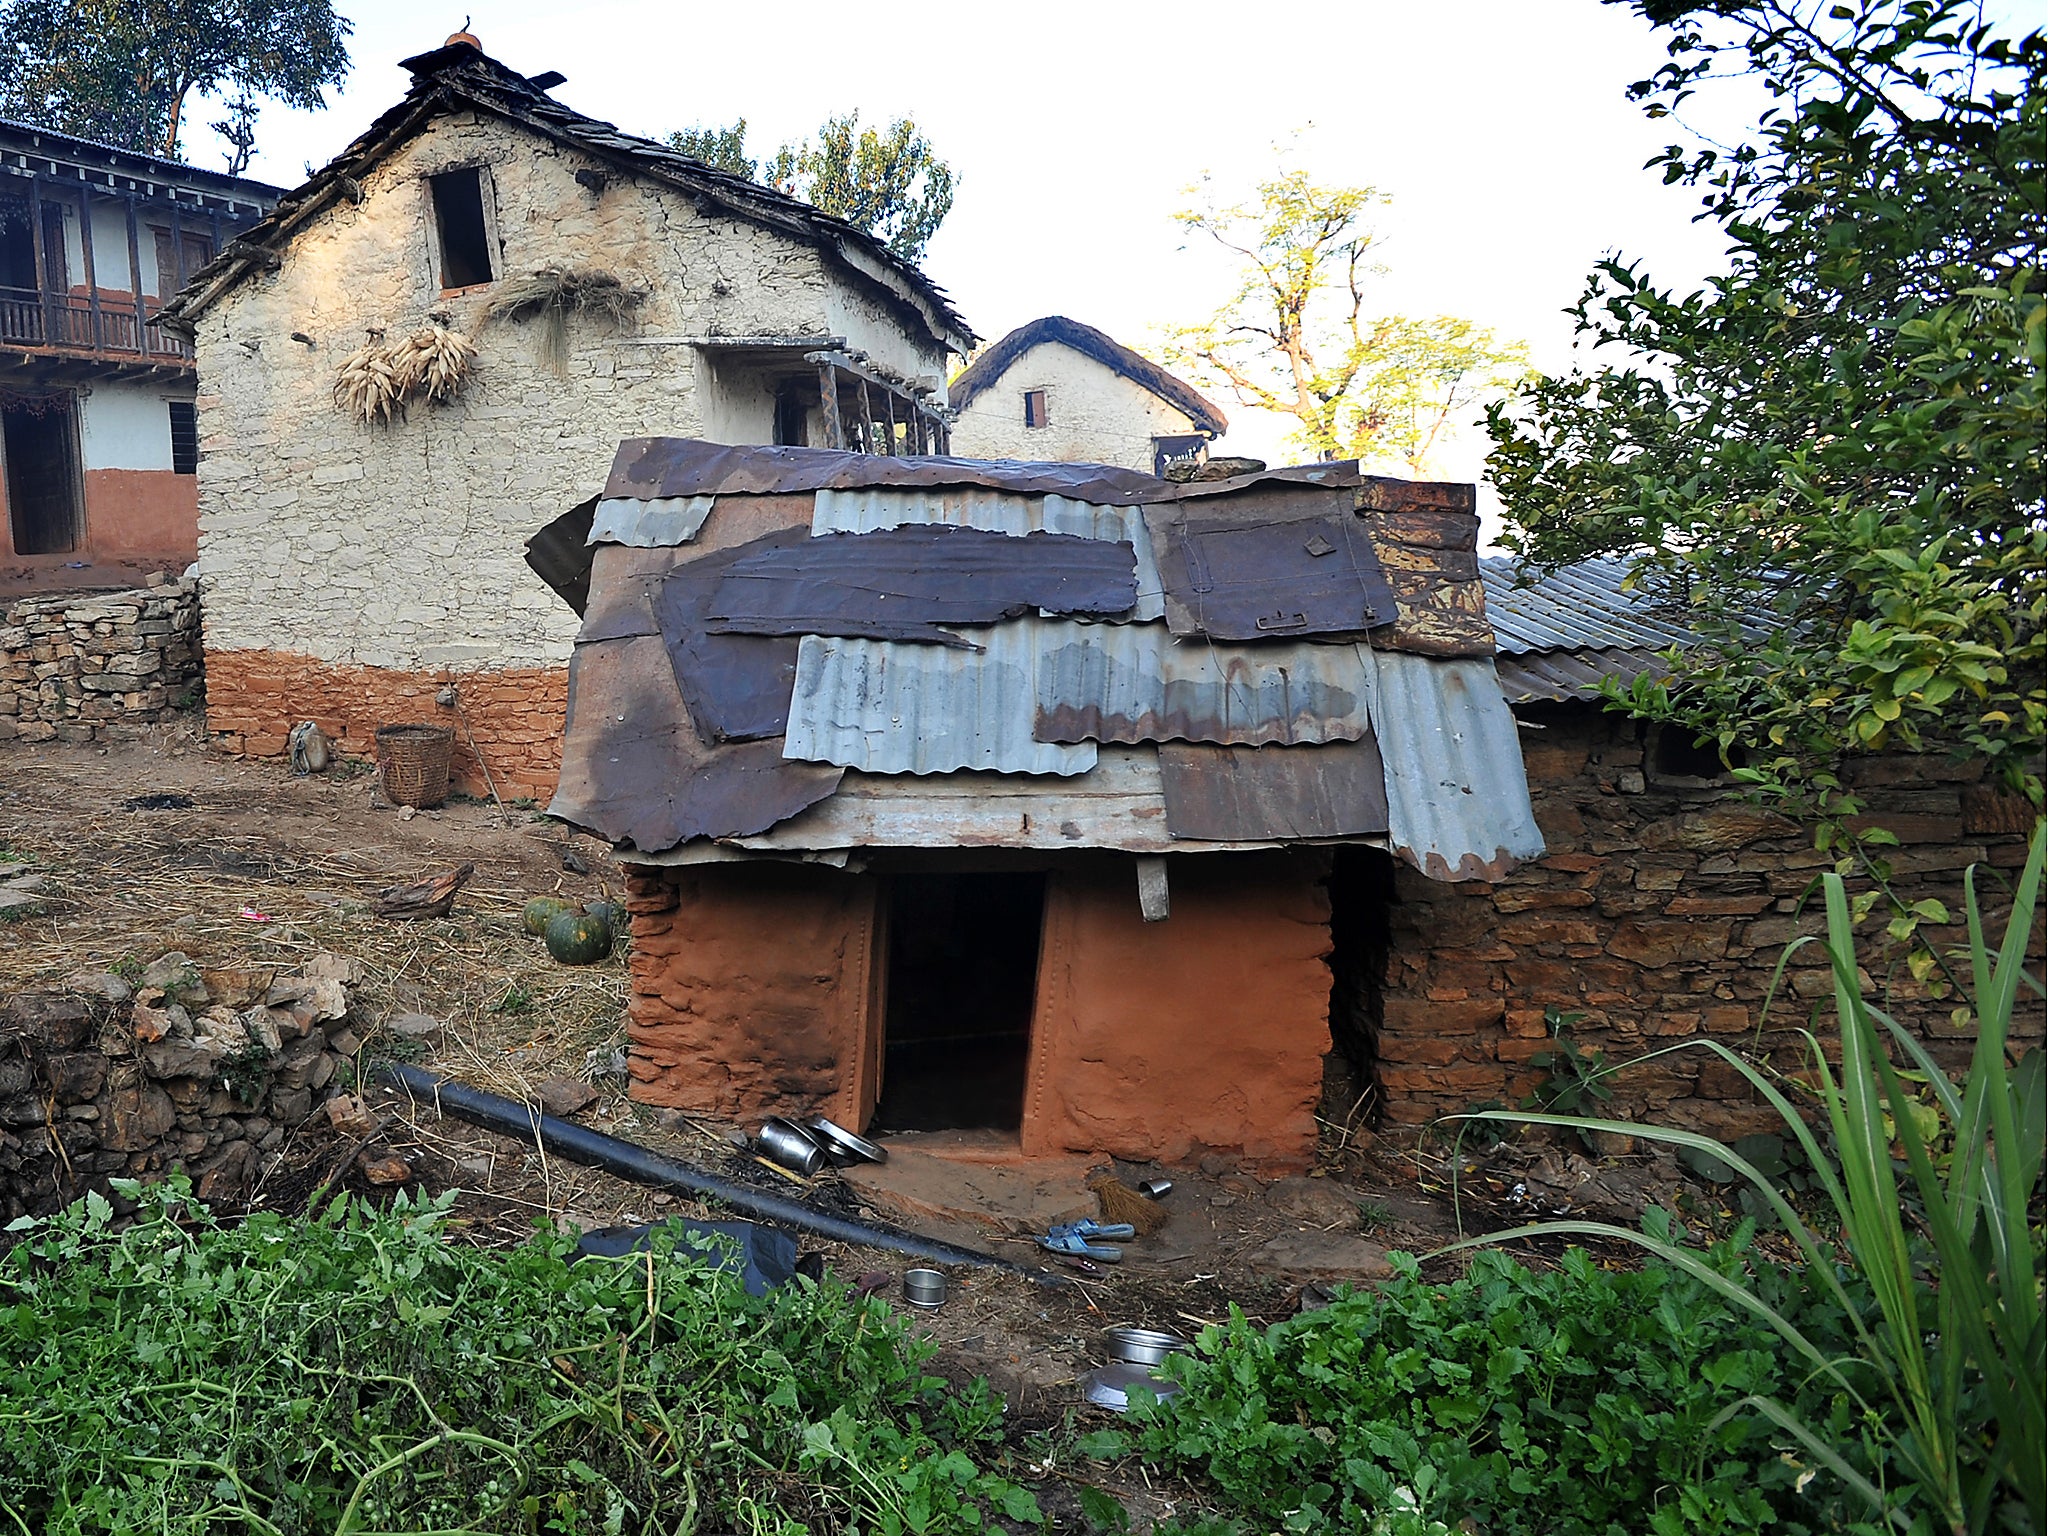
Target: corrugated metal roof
(865, 511)
(1559, 675)
(657, 524)
(1457, 795)
(1577, 607)
(888, 706)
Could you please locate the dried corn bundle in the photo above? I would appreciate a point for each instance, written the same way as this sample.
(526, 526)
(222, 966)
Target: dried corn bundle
(367, 385)
(433, 361)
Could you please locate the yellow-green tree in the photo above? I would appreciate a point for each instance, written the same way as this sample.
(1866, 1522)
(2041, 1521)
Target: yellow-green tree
(1297, 336)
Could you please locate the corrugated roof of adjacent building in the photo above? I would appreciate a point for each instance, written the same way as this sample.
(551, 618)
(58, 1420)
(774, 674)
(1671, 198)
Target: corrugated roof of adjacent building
(1585, 606)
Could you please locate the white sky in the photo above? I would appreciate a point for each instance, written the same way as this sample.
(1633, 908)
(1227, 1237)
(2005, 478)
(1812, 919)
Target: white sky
(1500, 128)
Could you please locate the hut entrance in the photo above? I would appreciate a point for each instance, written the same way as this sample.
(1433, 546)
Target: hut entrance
(962, 973)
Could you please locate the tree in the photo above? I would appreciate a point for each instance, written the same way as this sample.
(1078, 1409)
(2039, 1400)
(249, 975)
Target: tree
(122, 71)
(1295, 336)
(890, 184)
(1833, 453)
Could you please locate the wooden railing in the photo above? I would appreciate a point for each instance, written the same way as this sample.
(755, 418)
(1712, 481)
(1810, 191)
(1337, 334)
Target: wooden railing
(67, 322)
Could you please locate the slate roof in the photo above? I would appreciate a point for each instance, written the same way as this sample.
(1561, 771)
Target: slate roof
(1089, 342)
(458, 76)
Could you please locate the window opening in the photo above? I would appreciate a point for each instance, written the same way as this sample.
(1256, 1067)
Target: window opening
(17, 245)
(184, 437)
(792, 410)
(170, 277)
(56, 265)
(459, 216)
(962, 980)
(1034, 408)
(1165, 450)
(39, 435)
(1676, 754)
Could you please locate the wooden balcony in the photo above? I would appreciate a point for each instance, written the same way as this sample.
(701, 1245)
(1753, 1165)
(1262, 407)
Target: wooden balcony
(88, 326)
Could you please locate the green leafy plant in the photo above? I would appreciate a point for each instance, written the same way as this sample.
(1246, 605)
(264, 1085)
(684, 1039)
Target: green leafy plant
(515, 999)
(1574, 1079)
(1942, 1241)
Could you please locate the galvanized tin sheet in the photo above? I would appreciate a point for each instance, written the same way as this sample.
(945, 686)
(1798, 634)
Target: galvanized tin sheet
(1578, 607)
(864, 511)
(1282, 794)
(1135, 682)
(905, 583)
(889, 707)
(1457, 796)
(1529, 676)
(1278, 562)
(655, 524)
(737, 686)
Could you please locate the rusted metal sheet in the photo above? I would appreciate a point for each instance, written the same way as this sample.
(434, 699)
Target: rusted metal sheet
(559, 556)
(864, 511)
(737, 686)
(655, 524)
(1134, 682)
(651, 467)
(1457, 797)
(1281, 794)
(1274, 563)
(634, 771)
(905, 583)
(887, 707)
(1429, 554)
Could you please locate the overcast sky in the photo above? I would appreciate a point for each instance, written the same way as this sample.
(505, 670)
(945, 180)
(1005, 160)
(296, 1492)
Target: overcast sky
(1500, 128)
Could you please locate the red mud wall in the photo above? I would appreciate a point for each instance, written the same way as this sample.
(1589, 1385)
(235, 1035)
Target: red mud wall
(1204, 1032)
(142, 514)
(751, 988)
(254, 698)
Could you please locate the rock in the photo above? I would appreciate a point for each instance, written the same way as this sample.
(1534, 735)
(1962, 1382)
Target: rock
(177, 978)
(386, 1170)
(476, 1169)
(32, 885)
(237, 989)
(346, 1041)
(564, 1096)
(349, 1115)
(139, 1113)
(422, 1028)
(314, 999)
(173, 1058)
(223, 1033)
(292, 1107)
(343, 969)
(104, 985)
(54, 1020)
(1316, 1201)
(1324, 1256)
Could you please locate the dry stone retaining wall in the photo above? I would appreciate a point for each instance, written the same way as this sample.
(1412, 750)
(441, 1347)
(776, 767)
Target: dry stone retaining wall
(201, 1072)
(73, 665)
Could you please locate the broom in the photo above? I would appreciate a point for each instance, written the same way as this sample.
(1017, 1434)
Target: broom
(1119, 1202)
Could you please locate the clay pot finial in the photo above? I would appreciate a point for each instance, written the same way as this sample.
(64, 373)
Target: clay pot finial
(464, 36)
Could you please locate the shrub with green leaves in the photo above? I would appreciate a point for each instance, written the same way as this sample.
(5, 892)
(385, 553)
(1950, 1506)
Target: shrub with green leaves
(360, 1371)
(1581, 1402)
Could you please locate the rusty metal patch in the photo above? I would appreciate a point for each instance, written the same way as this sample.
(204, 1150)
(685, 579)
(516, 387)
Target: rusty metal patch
(648, 468)
(1245, 794)
(1278, 563)
(560, 556)
(905, 583)
(736, 685)
(634, 771)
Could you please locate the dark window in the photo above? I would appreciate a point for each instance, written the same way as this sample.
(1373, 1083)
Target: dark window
(792, 410)
(40, 438)
(1675, 753)
(1166, 449)
(459, 216)
(184, 437)
(1034, 408)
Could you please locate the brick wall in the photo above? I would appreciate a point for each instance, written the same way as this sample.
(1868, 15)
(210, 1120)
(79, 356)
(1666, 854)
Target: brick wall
(515, 714)
(73, 665)
(1660, 912)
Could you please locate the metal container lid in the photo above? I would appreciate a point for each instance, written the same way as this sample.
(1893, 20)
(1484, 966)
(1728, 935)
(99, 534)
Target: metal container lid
(842, 1146)
(1110, 1386)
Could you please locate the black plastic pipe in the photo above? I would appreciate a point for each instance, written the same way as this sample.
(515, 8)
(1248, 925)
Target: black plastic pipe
(507, 1116)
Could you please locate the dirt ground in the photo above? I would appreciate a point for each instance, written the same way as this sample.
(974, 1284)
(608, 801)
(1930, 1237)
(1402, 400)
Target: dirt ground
(164, 842)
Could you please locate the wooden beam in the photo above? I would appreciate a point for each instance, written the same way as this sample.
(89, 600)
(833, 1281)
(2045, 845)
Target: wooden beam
(867, 419)
(889, 414)
(92, 282)
(828, 400)
(135, 279)
(41, 257)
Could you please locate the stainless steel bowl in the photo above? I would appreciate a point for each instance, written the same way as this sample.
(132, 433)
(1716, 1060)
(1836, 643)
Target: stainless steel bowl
(924, 1288)
(1143, 1346)
(842, 1146)
(791, 1145)
(1110, 1386)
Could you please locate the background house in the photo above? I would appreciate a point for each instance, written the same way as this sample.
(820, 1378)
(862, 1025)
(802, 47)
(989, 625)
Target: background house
(353, 570)
(1058, 389)
(97, 414)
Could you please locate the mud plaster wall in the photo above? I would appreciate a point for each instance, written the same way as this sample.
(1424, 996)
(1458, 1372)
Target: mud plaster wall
(400, 546)
(1205, 1032)
(1094, 414)
(1660, 911)
(750, 988)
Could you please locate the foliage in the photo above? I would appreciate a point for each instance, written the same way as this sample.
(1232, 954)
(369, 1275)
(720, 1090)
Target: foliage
(1937, 1211)
(1574, 1079)
(121, 71)
(1576, 1401)
(1833, 453)
(890, 184)
(359, 1371)
(1294, 335)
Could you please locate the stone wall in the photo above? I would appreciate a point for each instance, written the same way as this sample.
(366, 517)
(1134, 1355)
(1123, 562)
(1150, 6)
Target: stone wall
(206, 1073)
(1094, 414)
(72, 666)
(1660, 911)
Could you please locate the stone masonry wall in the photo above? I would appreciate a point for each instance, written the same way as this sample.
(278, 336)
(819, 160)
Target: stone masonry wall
(71, 666)
(1659, 912)
(204, 1072)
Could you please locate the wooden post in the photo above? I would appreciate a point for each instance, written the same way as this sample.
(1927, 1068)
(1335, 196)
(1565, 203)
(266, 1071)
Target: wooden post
(867, 419)
(889, 412)
(42, 260)
(135, 276)
(177, 251)
(92, 282)
(828, 400)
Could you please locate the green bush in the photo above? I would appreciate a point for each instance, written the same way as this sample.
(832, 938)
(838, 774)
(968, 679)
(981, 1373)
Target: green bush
(361, 1372)
(1577, 1401)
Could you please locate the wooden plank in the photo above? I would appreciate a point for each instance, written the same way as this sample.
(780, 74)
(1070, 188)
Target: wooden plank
(867, 417)
(135, 278)
(828, 401)
(92, 282)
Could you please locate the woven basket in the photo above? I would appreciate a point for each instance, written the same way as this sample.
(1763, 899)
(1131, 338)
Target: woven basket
(412, 763)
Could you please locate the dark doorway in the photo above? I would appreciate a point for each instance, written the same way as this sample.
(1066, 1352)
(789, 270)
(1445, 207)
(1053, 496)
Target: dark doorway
(963, 971)
(40, 438)
(1361, 889)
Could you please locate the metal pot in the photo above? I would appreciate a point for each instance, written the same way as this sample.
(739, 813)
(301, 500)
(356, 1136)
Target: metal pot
(924, 1288)
(1144, 1346)
(842, 1146)
(791, 1145)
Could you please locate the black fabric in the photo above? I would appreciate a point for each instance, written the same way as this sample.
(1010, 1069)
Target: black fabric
(763, 1257)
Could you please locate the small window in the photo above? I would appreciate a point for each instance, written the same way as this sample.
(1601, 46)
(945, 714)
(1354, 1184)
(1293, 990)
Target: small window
(459, 216)
(184, 437)
(1675, 753)
(1034, 408)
